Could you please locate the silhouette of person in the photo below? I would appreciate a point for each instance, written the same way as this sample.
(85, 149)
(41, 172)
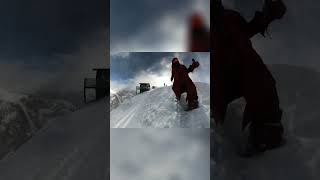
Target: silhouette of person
(199, 35)
(238, 71)
(182, 82)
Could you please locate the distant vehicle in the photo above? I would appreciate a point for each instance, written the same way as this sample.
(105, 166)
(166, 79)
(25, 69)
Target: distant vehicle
(143, 87)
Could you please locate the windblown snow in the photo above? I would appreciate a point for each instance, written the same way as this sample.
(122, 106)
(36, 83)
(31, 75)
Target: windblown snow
(299, 158)
(73, 147)
(158, 108)
(21, 116)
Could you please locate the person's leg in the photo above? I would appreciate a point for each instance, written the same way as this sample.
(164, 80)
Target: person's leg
(264, 115)
(192, 96)
(177, 92)
(222, 95)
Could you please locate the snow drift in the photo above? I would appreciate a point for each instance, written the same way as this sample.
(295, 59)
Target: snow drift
(299, 95)
(158, 108)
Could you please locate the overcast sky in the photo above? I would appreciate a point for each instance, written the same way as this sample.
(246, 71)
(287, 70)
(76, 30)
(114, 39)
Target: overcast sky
(51, 44)
(129, 69)
(158, 154)
(153, 26)
(295, 38)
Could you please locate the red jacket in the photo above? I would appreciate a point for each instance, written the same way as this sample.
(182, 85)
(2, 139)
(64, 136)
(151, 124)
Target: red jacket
(182, 82)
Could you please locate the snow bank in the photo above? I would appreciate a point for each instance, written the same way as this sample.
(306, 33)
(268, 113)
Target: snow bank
(116, 98)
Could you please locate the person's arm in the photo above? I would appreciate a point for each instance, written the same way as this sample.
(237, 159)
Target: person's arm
(194, 65)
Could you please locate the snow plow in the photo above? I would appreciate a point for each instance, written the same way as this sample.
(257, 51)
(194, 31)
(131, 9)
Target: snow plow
(143, 87)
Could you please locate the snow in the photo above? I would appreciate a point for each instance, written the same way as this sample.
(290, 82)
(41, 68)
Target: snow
(71, 147)
(120, 96)
(76, 147)
(10, 97)
(300, 157)
(158, 108)
(21, 116)
(159, 154)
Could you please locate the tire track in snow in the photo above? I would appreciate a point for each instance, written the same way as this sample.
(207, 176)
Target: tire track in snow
(125, 120)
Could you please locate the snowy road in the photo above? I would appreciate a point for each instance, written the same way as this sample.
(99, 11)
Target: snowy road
(74, 147)
(158, 108)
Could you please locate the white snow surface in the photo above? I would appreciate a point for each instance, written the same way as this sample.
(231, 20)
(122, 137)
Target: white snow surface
(158, 108)
(116, 98)
(299, 158)
(71, 147)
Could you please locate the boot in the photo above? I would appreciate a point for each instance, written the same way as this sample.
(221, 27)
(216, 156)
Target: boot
(192, 105)
(266, 136)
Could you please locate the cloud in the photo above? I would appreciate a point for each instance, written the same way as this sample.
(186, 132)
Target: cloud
(164, 29)
(65, 81)
(154, 68)
(40, 29)
(49, 46)
(159, 154)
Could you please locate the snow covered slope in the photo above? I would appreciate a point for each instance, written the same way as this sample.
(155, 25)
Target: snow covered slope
(74, 147)
(158, 108)
(23, 115)
(299, 92)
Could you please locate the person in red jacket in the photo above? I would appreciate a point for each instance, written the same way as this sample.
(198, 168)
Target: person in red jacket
(238, 71)
(182, 82)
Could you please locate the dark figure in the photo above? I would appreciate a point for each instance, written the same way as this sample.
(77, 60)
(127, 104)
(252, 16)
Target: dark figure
(182, 82)
(199, 34)
(238, 71)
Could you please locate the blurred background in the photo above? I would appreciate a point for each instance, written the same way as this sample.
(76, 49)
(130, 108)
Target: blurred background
(48, 47)
(173, 154)
(154, 26)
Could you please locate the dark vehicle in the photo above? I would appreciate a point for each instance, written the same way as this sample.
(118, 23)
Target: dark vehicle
(143, 87)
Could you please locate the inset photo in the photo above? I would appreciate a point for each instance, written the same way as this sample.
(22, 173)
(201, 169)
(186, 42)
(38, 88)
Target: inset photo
(160, 90)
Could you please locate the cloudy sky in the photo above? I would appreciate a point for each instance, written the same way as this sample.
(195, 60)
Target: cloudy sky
(51, 44)
(129, 69)
(158, 154)
(295, 38)
(153, 26)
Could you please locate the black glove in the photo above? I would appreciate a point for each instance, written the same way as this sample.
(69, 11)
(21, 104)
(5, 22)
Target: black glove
(274, 9)
(195, 63)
